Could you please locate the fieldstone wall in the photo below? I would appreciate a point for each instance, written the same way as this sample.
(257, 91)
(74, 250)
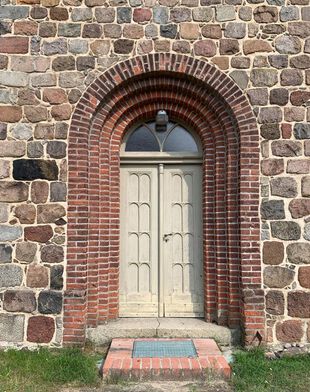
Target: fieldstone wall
(51, 50)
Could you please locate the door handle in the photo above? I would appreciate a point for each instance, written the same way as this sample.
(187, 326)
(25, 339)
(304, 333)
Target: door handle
(166, 236)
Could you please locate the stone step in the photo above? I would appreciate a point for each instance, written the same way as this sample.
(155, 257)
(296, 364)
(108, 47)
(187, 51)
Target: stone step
(125, 363)
(162, 328)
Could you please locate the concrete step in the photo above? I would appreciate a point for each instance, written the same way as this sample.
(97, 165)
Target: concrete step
(125, 362)
(162, 328)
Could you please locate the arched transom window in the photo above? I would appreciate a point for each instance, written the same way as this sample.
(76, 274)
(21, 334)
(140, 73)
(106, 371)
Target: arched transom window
(169, 140)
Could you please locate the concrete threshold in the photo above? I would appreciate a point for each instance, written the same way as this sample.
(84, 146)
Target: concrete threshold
(162, 328)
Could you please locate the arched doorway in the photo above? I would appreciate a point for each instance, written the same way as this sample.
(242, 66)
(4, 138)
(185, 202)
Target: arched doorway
(161, 258)
(208, 101)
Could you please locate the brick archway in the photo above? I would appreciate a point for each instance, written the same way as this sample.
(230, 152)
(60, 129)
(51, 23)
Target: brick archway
(195, 92)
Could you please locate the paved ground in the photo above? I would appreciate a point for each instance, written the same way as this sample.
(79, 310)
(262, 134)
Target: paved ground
(160, 386)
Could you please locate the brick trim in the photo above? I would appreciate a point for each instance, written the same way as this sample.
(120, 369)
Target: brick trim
(199, 94)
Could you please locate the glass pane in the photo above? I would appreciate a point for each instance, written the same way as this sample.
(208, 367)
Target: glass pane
(180, 140)
(142, 140)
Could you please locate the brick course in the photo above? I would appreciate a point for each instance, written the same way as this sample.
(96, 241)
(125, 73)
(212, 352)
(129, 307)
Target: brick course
(238, 74)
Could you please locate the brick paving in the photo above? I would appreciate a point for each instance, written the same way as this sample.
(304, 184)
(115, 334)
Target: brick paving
(120, 364)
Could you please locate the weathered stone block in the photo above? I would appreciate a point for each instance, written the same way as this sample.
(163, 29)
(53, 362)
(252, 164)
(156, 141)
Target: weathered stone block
(32, 169)
(286, 148)
(229, 46)
(289, 331)
(270, 131)
(264, 77)
(298, 304)
(288, 44)
(10, 275)
(57, 46)
(300, 29)
(284, 187)
(289, 13)
(26, 213)
(273, 252)
(279, 96)
(38, 12)
(40, 329)
(10, 233)
(272, 209)
(287, 231)
(271, 114)
(10, 114)
(57, 277)
(58, 191)
(291, 77)
(63, 63)
(81, 14)
(5, 253)
(305, 185)
(272, 167)
(11, 328)
(12, 191)
(124, 14)
(235, 30)
(205, 47)
(35, 113)
(78, 46)
(19, 301)
(225, 13)
(26, 251)
(49, 213)
(299, 208)
(92, 30)
(50, 302)
(275, 302)
(52, 254)
(14, 45)
(105, 15)
(71, 79)
(37, 276)
(22, 131)
(38, 233)
(258, 96)
(278, 61)
(304, 277)
(39, 192)
(302, 131)
(298, 166)
(256, 46)
(299, 98)
(123, 46)
(72, 30)
(4, 212)
(278, 277)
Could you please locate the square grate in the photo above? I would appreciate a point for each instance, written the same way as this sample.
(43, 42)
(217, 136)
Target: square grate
(164, 349)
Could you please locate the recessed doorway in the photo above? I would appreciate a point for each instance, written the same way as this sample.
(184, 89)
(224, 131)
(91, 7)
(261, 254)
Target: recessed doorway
(161, 267)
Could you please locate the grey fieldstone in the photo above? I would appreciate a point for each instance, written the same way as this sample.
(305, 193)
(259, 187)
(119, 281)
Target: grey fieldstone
(298, 253)
(71, 79)
(57, 277)
(10, 275)
(58, 191)
(169, 30)
(285, 230)
(35, 149)
(245, 13)
(11, 328)
(279, 96)
(278, 277)
(291, 77)
(302, 131)
(241, 78)
(5, 253)
(14, 12)
(307, 232)
(4, 169)
(78, 46)
(273, 209)
(50, 302)
(105, 15)
(10, 233)
(26, 251)
(305, 186)
(264, 77)
(81, 14)
(271, 114)
(56, 149)
(58, 46)
(284, 187)
(69, 30)
(235, 30)
(289, 13)
(4, 212)
(5, 96)
(258, 96)
(287, 44)
(13, 79)
(225, 13)
(49, 213)
(278, 61)
(202, 14)
(22, 131)
(160, 15)
(124, 14)
(180, 14)
(270, 131)
(151, 31)
(12, 148)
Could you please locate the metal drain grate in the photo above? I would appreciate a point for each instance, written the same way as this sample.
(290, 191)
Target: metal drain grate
(164, 349)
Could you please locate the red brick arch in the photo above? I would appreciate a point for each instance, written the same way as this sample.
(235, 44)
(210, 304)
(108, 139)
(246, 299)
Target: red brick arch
(195, 92)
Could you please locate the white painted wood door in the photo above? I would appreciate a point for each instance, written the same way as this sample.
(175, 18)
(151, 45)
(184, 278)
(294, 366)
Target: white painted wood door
(161, 241)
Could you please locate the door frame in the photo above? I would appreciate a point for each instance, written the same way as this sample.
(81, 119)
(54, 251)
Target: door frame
(144, 159)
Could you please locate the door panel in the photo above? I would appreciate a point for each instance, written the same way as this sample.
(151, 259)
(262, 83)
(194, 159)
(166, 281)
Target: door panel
(182, 252)
(139, 242)
(161, 275)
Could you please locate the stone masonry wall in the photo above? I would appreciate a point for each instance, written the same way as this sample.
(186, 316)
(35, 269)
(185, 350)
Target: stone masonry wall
(51, 50)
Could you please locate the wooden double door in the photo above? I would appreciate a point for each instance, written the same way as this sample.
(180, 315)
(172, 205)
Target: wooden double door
(161, 269)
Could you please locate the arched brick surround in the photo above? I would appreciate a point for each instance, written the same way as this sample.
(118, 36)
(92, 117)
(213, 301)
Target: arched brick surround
(197, 93)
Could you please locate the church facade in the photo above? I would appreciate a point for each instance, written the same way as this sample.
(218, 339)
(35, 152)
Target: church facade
(154, 162)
